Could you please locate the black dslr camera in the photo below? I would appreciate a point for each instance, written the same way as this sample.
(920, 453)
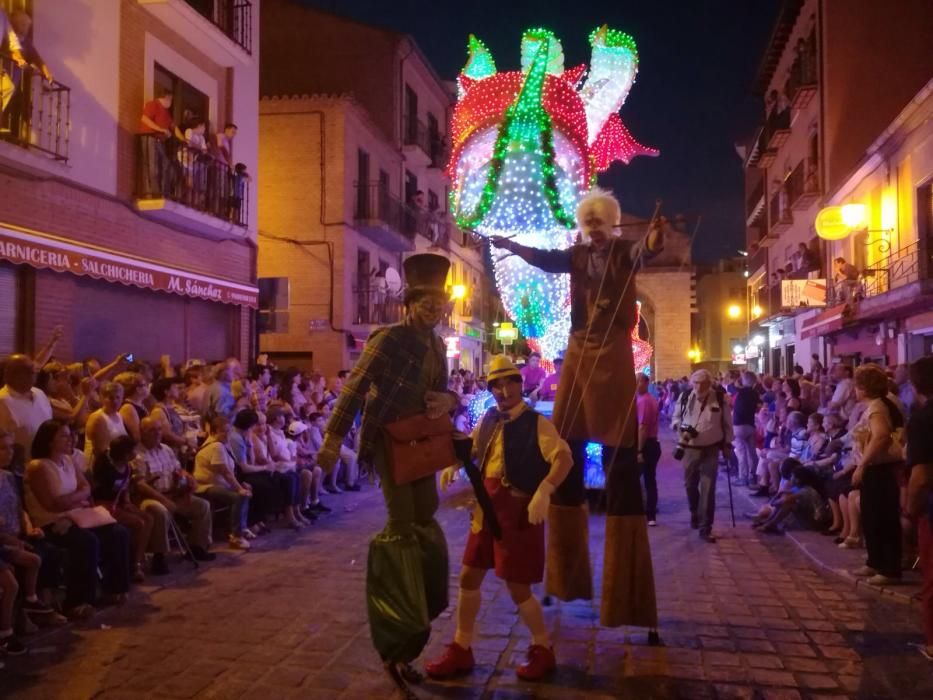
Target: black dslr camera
(687, 432)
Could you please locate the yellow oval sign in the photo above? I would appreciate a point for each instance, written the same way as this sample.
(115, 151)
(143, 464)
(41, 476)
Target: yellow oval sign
(831, 225)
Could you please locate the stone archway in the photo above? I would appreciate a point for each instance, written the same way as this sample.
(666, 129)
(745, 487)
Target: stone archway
(665, 294)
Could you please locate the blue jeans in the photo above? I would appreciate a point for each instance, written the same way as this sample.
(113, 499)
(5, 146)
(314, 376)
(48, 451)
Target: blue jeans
(239, 506)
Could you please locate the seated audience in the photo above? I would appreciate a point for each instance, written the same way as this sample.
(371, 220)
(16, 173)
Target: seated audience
(112, 482)
(105, 424)
(58, 499)
(216, 481)
(165, 490)
(135, 393)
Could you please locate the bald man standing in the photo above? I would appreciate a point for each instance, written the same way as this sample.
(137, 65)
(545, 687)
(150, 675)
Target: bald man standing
(23, 407)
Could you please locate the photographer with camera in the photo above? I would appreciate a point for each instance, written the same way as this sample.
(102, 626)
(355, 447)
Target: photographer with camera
(704, 425)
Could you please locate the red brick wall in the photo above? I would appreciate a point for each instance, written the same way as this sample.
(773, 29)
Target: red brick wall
(61, 210)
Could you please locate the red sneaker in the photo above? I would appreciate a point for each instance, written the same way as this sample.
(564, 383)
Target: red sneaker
(455, 661)
(540, 662)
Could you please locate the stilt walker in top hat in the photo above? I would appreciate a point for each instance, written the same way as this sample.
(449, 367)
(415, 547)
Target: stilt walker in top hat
(595, 403)
(401, 373)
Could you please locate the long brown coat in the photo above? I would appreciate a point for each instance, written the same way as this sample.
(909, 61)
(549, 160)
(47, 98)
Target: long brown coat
(596, 394)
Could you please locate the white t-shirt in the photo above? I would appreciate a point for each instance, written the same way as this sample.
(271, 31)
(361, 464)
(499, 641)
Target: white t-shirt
(844, 396)
(212, 453)
(22, 414)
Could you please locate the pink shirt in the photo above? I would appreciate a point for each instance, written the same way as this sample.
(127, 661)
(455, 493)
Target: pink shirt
(533, 376)
(549, 387)
(647, 414)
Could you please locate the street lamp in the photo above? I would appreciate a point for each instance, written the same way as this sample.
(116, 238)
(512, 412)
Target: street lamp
(458, 292)
(734, 311)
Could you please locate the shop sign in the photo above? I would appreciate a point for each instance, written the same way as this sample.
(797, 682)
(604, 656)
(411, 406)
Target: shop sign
(751, 352)
(453, 346)
(471, 332)
(803, 293)
(738, 358)
(506, 333)
(19, 247)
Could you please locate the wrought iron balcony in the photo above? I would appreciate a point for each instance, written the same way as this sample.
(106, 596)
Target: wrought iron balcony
(35, 114)
(383, 219)
(802, 185)
(233, 17)
(802, 82)
(170, 170)
(376, 306)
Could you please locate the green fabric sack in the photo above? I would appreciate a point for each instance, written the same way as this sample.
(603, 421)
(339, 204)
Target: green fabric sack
(395, 597)
(436, 566)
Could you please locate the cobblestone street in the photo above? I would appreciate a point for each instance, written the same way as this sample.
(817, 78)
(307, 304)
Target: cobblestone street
(744, 618)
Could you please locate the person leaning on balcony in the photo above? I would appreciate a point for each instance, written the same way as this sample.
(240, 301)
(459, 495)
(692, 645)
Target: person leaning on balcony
(21, 23)
(158, 124)
(10, 49)
(845, 277)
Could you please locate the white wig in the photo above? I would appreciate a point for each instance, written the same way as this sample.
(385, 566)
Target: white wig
(604, 204)
(701, 375)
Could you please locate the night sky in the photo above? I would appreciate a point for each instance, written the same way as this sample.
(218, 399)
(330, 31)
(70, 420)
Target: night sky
(692, 98)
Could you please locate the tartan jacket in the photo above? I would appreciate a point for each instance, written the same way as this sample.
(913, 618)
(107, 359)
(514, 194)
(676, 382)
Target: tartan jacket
(387, 378)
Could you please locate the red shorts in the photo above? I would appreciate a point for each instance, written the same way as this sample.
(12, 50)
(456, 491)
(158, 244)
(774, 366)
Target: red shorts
(519, 556)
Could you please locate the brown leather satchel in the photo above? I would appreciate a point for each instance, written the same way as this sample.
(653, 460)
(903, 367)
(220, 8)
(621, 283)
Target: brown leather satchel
(419, 446)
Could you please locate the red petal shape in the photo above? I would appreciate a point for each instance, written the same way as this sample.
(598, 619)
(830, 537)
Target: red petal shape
(615, 142)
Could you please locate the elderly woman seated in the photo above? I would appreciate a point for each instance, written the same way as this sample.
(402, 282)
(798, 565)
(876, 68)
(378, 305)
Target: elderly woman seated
(58, 499)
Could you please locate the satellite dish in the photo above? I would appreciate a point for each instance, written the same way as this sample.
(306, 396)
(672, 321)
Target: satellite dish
(393, 280)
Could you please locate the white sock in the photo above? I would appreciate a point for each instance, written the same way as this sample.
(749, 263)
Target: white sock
(468, 603)
(532, 615)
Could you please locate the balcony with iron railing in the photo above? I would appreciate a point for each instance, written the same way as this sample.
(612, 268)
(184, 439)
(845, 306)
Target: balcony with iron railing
(802, 185)
(383, 219)
(896, 270)
(754, 199)
(179, 184)
(35, 114)
(426, 143)
(376, 306)
(221, 29)
(233, 17)
(780, 218)
(801, 83)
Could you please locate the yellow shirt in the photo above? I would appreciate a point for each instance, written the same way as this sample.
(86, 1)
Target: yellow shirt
(553, 448)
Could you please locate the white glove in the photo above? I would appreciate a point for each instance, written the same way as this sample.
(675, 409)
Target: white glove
(537, 509)
(448, 476)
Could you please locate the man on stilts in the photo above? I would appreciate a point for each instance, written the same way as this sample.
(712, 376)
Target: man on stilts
(523, 461)
(402, 372)
(595, 403)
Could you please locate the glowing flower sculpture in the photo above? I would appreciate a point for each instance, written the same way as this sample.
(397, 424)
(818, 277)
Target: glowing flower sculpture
(526, 145)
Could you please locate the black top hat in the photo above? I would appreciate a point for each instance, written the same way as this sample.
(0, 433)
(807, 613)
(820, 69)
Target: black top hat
(425, 272)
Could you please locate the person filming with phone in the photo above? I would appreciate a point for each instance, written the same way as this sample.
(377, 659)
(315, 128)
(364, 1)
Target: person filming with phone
(703, 423)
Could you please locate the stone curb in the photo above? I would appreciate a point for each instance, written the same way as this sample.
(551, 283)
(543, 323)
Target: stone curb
(890, 592)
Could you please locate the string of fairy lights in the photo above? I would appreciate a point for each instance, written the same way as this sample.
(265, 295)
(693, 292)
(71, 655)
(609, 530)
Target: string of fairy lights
(526, 146)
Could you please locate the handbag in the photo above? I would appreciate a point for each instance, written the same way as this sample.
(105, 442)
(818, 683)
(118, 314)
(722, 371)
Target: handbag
(418, 447)
(90, 517)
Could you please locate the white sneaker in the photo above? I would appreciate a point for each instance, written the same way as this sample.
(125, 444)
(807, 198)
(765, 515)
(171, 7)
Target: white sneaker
(652, 523)
(249, 534)
(239, 543)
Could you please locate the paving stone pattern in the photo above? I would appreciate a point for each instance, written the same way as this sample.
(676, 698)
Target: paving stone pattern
(748, 617)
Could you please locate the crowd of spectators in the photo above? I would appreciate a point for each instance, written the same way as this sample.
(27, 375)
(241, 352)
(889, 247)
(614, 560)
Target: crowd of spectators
(103, 468)
(828, 450)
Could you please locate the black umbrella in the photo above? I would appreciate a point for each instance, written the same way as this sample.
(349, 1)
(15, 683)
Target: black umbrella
(463, 447)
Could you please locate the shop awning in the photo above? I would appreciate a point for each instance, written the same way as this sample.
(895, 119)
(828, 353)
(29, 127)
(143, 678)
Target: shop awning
(828, 321)
(50, 253)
